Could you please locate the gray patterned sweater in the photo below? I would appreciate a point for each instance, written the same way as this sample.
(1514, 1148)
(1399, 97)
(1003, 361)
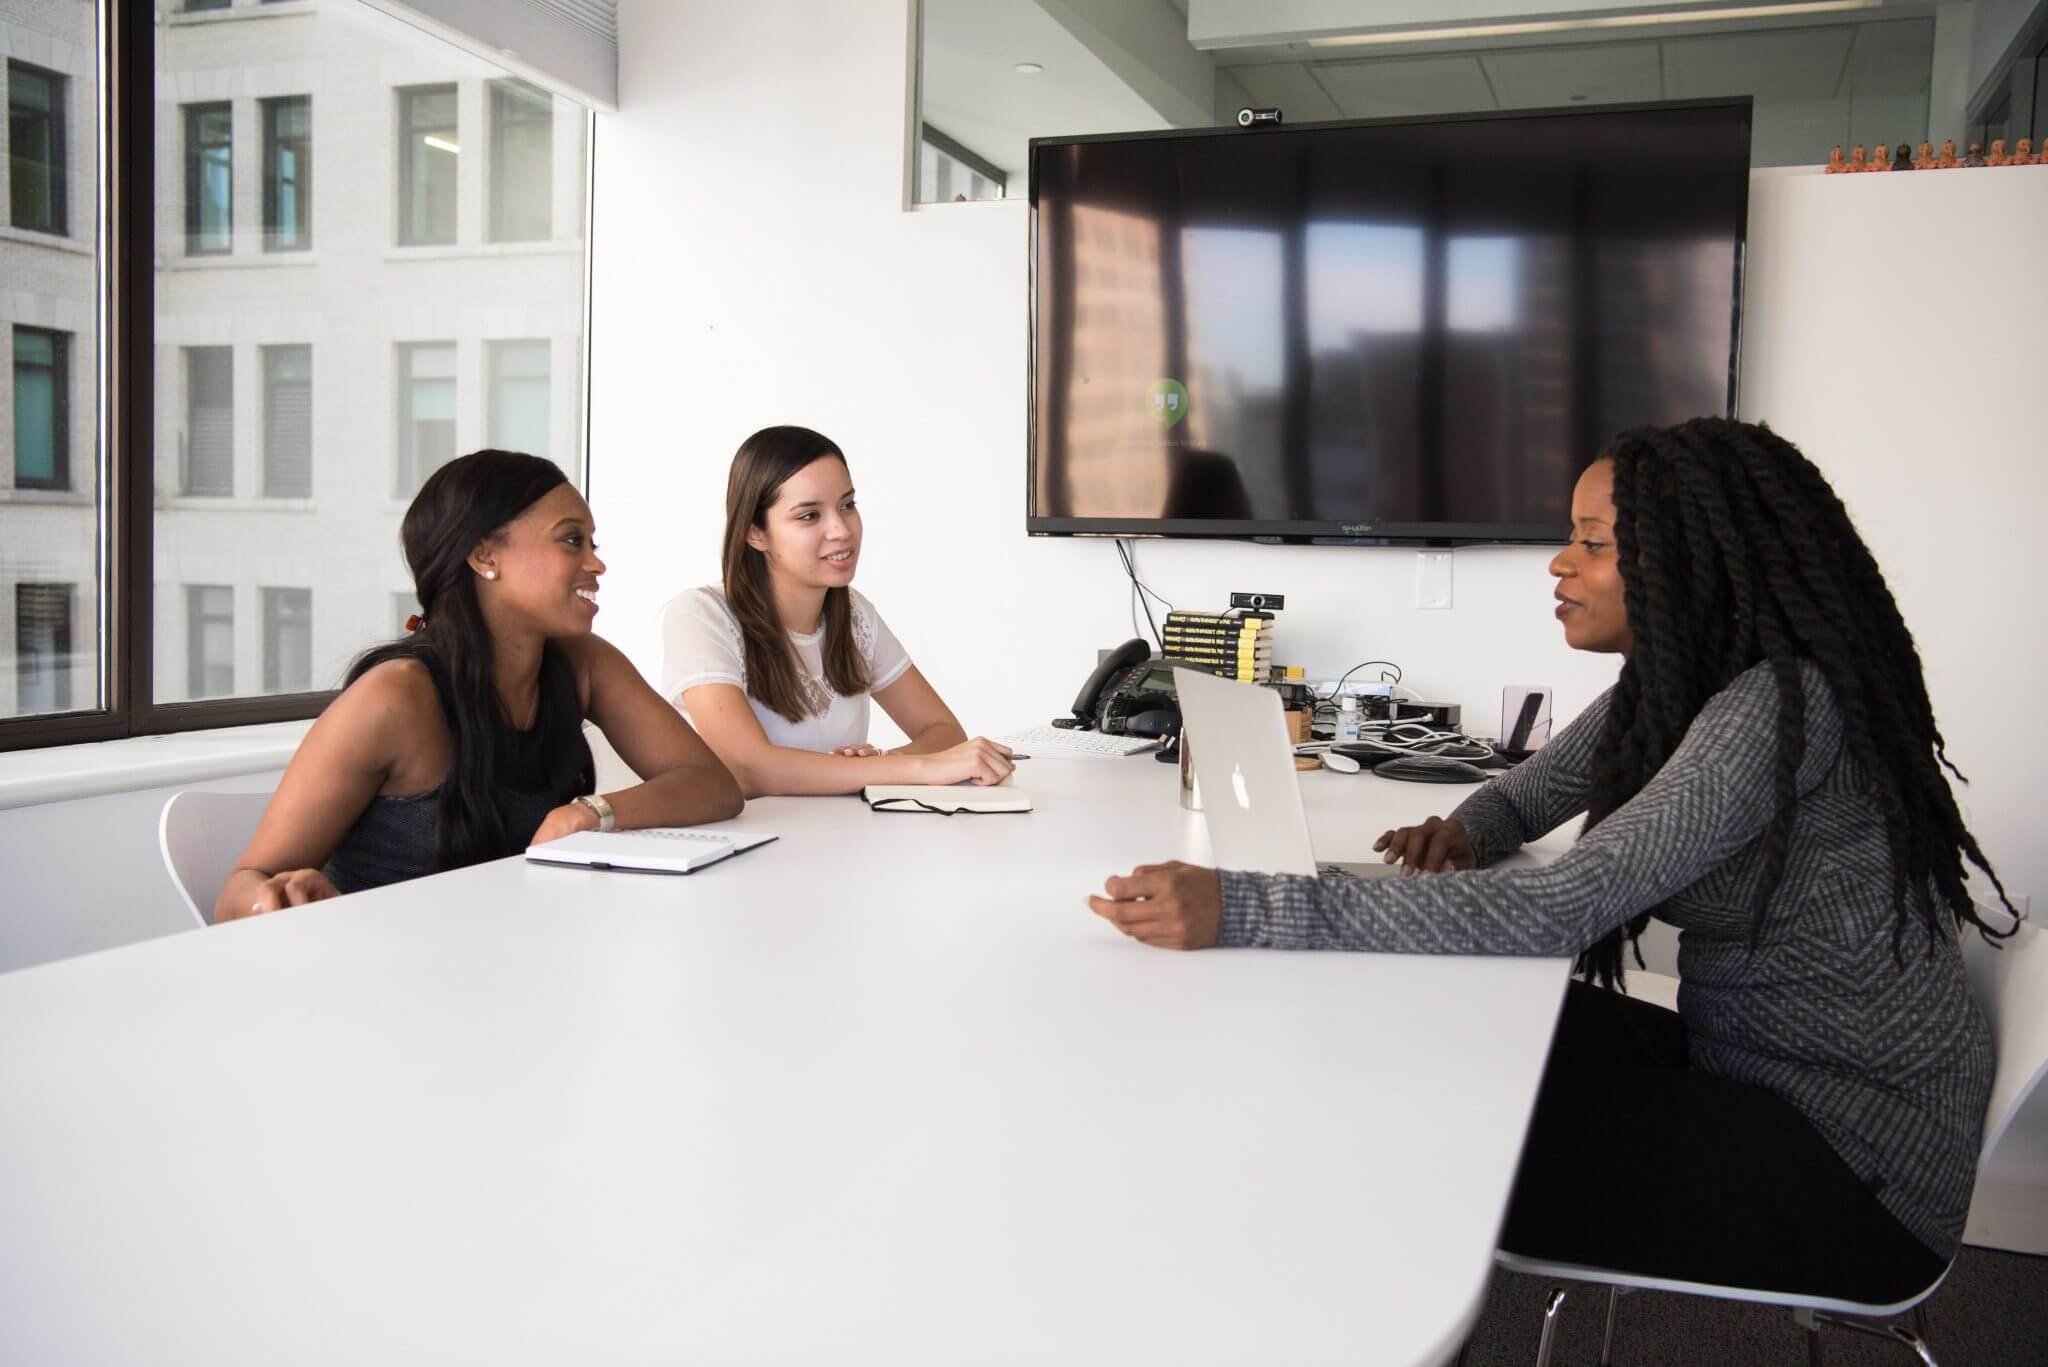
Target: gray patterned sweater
(1889, 1058)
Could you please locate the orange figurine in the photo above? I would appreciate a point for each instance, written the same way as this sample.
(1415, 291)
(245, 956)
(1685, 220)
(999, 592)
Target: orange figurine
(1923, 160)
(1997, 157)
(1835, 163)
(1880, 158)
(2023, 155)
(1859, 158)
(1947, 160)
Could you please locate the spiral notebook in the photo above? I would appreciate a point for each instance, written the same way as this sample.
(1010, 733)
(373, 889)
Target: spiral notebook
(658, 849)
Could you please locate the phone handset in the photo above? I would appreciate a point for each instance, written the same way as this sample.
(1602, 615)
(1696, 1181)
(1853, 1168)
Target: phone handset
(1131, 652)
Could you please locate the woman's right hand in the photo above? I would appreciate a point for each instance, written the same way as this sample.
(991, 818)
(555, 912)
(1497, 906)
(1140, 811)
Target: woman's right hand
(293, 888)
(979, 760)
(1435, 846)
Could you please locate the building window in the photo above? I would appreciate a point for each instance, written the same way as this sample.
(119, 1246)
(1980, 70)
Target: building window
(287, 640)
(519, 396)
(42, 647)
(209, 179)
(42, 409)
(209, 641)
(288, 174)
(209, 421)
(287, 422)
(522, 162)
(427, 150)
(426, 411)
(37, 185)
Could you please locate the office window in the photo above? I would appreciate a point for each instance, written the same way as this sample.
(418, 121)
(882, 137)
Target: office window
(209, 421)
(35, 148)
(519, 396)
(426, 411)
(427, 149)
(42, 647)
(287, 422)
(209, 641)
(42, 409)
(522, 162)
(288, 174)
(209, 179)
(287, 640)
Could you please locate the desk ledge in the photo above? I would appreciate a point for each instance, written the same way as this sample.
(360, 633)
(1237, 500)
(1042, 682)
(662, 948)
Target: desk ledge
(61, 773)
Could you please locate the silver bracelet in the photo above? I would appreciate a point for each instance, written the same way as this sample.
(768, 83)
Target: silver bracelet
(599, 807)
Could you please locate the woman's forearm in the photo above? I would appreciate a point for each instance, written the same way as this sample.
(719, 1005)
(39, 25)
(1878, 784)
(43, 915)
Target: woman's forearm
(687, 795)
(782, 771)
(940, 735)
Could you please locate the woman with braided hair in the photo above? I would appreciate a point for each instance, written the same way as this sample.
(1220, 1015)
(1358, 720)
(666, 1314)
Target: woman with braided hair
(1767, 776)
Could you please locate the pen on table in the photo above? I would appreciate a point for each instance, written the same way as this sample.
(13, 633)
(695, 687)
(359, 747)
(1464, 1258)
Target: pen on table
(1015, 755)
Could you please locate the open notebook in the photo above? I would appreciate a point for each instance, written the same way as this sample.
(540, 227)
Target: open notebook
(945, 799)
(658, 849)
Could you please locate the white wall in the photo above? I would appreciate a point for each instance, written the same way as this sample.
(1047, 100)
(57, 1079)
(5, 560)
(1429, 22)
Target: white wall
(754, 265)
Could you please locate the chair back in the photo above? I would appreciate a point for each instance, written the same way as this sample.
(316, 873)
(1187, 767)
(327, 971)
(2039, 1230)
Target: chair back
(201, 836)
(2010, 981)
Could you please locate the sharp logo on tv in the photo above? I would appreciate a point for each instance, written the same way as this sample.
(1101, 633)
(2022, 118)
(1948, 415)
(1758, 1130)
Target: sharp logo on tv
(1168, 401)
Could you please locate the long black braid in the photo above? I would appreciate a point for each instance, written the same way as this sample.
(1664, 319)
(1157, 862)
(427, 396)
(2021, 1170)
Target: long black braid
(1734, 551)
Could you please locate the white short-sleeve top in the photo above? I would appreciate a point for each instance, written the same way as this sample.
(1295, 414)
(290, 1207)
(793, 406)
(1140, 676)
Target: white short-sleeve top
(702, 644)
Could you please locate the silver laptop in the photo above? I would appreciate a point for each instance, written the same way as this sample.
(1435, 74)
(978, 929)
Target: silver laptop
(1251, 791)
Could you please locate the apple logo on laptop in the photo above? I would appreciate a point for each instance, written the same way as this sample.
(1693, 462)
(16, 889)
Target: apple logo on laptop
(1237, 785)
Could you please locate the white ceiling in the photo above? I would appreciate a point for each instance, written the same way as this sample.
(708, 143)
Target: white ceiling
(1855, 76)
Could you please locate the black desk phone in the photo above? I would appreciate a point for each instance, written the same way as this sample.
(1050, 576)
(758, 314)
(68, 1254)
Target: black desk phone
(1130, 694)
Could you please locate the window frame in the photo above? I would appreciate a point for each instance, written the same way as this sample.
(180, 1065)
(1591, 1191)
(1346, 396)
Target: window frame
(406, 96)
(60, 418)
(59, 169)
(189, 116)
(269, 108)
(124, 235)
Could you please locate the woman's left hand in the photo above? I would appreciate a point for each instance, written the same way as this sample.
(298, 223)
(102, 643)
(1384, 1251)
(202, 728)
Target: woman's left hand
(1173, 906)
(566, 819)
(856, 751)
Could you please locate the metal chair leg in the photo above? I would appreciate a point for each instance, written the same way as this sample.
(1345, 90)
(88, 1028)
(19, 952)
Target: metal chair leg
(1894, 1333)
(1551, 1305)
(1607, 1338)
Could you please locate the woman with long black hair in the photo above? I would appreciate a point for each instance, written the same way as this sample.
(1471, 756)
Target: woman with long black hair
(464, 741)
(1767, 776)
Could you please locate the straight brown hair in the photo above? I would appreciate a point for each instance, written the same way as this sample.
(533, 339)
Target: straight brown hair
(760, 468)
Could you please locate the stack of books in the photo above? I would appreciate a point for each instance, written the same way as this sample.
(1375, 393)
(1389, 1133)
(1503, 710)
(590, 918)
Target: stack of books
(1237, 645)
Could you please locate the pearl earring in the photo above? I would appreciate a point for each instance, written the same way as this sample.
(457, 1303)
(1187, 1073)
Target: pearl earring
(490, 574)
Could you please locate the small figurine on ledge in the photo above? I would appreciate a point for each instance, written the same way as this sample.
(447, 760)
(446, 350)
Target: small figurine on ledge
(1859, 158)
(1923, 160)
(1975, 156)
(1997, 157)
(1947, 160)
(1880, 158)
(1902, 159)
(1835, 163)
(2023, 155)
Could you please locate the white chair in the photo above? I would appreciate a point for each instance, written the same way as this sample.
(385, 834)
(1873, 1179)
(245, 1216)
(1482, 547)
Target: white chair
(2010, 982)
(201, 835)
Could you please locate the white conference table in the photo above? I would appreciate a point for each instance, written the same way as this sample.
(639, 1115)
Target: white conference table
(882, 1091)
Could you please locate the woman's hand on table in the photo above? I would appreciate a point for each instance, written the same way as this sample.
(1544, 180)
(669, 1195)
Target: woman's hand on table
(1436, 846)
(566, 819)
(1173, 906)
(293, 888)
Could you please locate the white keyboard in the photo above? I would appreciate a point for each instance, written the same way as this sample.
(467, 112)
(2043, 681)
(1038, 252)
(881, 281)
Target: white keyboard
(1055, 742)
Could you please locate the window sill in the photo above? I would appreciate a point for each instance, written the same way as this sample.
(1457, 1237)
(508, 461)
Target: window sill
(236, 261)
(63, 498)
(451, 251)
(245, 10)
(55, 241)
(63, 773)
(227, 503)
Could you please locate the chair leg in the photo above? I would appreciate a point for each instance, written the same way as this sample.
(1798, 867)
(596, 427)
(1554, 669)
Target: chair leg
(1551, 1305)
(1607, 1338)
(1894, 1333)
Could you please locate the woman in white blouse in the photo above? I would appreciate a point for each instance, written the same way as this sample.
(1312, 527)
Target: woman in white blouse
(776, 670)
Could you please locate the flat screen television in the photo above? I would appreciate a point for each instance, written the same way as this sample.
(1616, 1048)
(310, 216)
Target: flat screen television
(1391, 331)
